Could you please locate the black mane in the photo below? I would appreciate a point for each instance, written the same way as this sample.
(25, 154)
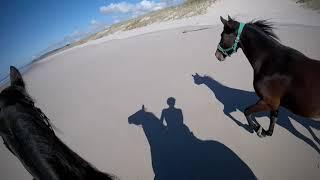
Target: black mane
(266, 26)
(15, 94)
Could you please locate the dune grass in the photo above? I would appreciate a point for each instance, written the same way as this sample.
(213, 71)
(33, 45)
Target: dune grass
(313, 4)
(187, 9)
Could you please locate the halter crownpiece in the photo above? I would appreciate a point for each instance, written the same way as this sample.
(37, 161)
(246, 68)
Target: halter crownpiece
(235, 45)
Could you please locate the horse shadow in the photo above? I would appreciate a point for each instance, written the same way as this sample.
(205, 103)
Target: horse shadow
(178, 154)
(236, 99)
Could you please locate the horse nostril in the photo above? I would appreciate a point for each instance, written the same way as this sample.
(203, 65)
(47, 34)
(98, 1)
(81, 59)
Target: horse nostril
(216, 54)
(219, 55)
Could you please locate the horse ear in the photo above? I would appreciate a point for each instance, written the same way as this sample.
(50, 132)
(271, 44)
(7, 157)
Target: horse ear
(15, 77)
(229, 18)
(143, 109)
(224, 22)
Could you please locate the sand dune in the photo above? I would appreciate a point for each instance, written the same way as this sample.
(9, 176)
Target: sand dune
(90, 91)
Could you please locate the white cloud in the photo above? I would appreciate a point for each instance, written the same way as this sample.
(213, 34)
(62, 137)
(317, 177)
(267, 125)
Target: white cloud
(139, 8)
(171, 2)
(95, 26)
(122, 7)
(75, 33)
(94, 22)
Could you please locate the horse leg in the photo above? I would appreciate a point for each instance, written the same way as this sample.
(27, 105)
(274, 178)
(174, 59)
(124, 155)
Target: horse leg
(273, 120)
(245, 126)
(260, 106)
(313, 135)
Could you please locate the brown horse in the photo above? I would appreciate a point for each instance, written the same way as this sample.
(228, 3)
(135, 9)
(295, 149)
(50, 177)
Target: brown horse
(282, 76)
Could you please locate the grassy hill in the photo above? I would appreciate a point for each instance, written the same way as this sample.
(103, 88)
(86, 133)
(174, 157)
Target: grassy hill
(313, 4)
(187, 9)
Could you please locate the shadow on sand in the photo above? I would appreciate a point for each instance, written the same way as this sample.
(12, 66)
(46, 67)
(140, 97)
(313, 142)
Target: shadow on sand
(236, 99)
(178, 154)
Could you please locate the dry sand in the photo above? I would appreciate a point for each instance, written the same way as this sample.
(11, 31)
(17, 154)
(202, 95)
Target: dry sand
(90, 91)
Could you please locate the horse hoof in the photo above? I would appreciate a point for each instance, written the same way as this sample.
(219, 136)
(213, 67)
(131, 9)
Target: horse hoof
(259, 132)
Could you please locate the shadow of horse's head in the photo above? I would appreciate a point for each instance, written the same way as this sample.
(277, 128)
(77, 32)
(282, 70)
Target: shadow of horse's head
(198, 80)
(137, 117)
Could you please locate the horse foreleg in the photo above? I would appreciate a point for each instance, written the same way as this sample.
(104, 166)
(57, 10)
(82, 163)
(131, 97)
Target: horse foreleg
(273, 120)
(260, 106)
(245, 126)
(313, 135)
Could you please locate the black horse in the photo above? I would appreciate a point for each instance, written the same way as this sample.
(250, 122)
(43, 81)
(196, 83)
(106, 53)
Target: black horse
(28, 134)
(237, 99)
(282, 76)
(177, 154)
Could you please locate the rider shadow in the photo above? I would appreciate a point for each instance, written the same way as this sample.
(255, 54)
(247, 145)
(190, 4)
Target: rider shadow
(236, 99)
(178, 154)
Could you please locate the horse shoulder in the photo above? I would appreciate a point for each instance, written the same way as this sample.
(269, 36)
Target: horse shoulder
(271, 84)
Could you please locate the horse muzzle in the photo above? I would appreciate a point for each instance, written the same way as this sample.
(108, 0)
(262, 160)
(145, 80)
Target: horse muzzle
(130, 120)
(219, 56)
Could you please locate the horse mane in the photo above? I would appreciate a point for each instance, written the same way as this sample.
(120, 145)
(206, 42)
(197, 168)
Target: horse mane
(152, 116)
(14, 94)
(207, 77)
(69, 161)
(266, 26)
(210, 79)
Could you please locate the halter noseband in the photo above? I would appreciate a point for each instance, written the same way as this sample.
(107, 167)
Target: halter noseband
(235, 45)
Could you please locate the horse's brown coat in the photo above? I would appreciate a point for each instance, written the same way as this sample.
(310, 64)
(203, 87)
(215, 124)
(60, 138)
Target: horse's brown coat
(282, 76)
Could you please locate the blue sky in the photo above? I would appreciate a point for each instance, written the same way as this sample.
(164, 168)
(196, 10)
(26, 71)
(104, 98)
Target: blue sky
(31, 27)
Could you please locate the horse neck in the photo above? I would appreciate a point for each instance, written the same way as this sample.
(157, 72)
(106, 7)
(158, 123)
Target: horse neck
(256, 45)
(152, 129)
(74, 163)
(60, 153)
(214, 85)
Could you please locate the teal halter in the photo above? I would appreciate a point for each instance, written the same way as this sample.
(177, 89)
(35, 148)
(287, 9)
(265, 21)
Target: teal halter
(235, 45)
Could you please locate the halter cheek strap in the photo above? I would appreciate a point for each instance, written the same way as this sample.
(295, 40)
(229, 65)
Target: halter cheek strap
(235, 45)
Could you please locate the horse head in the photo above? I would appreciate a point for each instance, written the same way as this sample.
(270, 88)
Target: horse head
(15, 93)
(137, 117)
(198, 80)
(230, 37)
